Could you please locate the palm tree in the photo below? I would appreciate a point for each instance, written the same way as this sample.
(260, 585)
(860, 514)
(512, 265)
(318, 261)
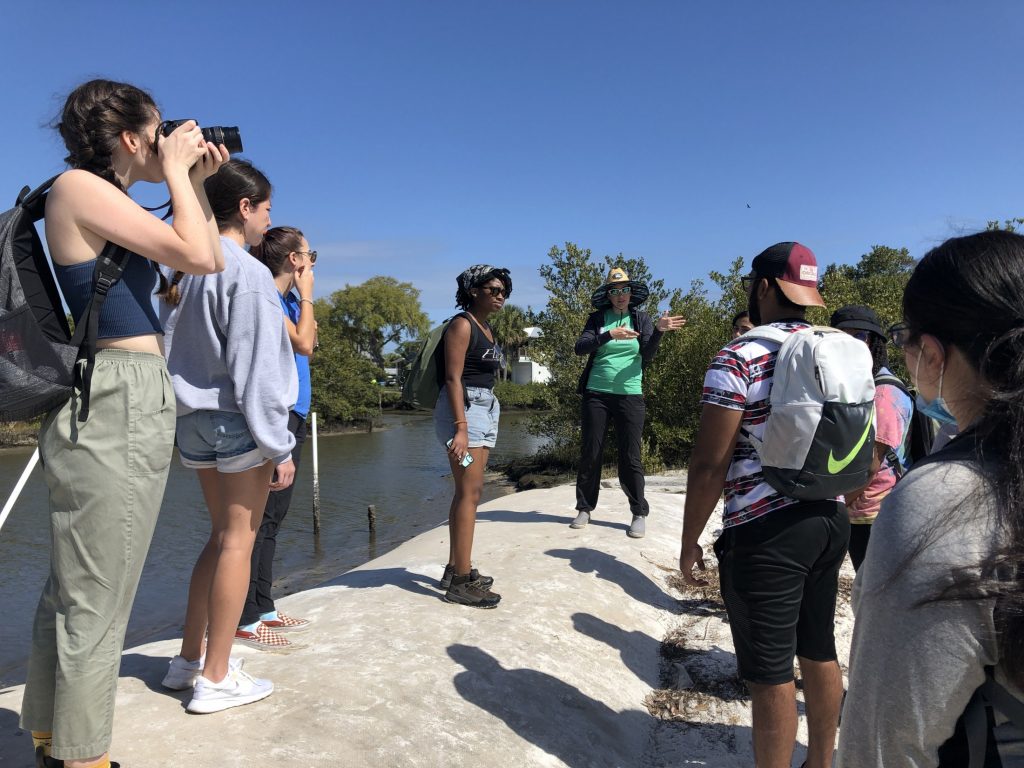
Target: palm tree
(509, 331)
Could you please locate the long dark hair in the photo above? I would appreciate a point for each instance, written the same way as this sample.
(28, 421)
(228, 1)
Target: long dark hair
(277, 244)
(234, 181)
(94, 115)
(968, 293)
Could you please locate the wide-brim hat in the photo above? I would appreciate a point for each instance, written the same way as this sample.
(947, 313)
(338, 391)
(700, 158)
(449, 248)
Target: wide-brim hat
(795, 269)
(619, 278)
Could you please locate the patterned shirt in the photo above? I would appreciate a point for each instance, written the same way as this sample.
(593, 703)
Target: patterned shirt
(893, 412)
(740, 379)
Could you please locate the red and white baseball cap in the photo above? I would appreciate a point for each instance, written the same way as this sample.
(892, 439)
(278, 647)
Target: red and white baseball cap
(795, 269)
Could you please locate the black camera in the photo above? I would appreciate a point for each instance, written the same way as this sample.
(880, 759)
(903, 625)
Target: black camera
(217, 134)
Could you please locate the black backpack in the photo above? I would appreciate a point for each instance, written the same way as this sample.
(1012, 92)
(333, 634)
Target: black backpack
(920, 437)
(38, 354)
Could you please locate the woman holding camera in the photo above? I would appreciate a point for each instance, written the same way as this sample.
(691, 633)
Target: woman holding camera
(466, 421)
(233, 371)
(285, 252)
(106, 475)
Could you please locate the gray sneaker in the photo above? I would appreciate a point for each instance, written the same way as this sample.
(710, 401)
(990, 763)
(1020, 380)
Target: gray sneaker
(465, 591)
(582, 518)
(638, 527)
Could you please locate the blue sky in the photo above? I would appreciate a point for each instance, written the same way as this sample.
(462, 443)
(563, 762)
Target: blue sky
(415, 138)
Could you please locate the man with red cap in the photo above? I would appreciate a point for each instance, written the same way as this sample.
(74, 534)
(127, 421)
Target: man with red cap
(778, 557)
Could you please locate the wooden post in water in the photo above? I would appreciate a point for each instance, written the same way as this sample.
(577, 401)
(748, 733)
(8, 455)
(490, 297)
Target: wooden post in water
(316, 483)
(371, 515)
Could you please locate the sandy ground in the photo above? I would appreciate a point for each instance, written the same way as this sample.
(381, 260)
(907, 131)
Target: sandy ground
(594, 658)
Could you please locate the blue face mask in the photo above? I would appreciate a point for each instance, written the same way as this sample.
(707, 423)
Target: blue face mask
(936, 408)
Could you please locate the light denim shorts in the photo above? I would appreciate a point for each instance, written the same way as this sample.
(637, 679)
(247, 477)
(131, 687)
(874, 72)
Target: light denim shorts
(482, 415)
(217, 439)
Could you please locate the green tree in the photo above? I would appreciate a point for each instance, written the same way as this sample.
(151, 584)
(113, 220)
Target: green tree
(509, 327)
(343, 380)
(380, 312)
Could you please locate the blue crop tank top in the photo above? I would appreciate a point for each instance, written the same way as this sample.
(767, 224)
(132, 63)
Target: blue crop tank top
(128, 310)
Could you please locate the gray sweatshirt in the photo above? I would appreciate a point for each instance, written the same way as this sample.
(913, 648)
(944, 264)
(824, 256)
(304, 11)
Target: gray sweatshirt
(228, 349)
(913, 669)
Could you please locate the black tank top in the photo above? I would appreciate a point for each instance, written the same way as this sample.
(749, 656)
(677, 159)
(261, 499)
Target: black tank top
(483, 358)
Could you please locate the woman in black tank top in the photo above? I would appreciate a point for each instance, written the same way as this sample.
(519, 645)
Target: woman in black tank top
(466, 421)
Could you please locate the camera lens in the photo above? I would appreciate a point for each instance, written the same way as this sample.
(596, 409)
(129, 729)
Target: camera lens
(226, 135)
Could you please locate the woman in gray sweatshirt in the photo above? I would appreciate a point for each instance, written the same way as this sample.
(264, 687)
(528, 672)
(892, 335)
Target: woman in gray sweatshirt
(234, 377)
(939, 598)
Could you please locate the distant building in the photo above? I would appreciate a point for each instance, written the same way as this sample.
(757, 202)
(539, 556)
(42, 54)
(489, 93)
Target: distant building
(526, 370)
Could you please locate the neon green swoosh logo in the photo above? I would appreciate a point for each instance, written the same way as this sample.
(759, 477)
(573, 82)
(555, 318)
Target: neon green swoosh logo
(835, 467)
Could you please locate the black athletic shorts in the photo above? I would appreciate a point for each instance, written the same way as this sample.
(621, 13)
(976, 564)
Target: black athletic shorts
(779, 578)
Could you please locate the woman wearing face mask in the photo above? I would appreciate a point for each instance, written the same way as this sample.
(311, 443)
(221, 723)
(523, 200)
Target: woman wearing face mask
(106, 475)
(620, 340)
(286, 253)
(939, 603)
(233, 370)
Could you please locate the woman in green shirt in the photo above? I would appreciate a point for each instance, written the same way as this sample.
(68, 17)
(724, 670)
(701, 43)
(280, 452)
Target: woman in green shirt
(620, 339)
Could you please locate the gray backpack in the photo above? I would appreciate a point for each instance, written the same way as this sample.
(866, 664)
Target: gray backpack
(819, 436)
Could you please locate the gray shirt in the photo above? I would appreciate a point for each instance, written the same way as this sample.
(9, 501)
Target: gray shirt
(914, 668)
(228, 349)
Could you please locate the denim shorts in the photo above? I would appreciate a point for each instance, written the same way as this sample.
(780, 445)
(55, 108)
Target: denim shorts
(217, 439)
(481, 415)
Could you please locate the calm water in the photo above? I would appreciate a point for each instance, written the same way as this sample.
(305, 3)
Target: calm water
(401, 470)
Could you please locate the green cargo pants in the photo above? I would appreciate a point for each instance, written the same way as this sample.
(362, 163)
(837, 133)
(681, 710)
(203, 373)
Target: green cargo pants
(106, 479)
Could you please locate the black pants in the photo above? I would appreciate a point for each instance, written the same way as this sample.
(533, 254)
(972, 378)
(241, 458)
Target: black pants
(628, 412)
(859, 536)
(261, 575)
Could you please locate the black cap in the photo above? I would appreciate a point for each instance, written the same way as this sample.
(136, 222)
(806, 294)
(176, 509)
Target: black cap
(857, 317)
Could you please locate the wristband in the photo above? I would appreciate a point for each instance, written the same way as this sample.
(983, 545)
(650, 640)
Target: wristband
(302, 300)
(460, 422)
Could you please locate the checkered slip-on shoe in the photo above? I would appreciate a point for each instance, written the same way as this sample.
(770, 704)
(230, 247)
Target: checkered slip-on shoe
(285, 623)
(263, 638)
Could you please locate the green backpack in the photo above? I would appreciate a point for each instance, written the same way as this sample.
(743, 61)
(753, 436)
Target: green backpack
(425, 377)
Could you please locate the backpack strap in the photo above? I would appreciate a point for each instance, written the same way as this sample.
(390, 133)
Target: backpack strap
(991, 695)
(890, 454)
(768, 333)
(110, 265)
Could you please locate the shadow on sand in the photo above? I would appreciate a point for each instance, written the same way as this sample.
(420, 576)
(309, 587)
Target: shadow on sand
(566, 723)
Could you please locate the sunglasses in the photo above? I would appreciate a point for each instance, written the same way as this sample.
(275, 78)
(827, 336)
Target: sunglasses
(747, 281)
(619, 291)
(496, 291)
(311, 254)
(899, 334)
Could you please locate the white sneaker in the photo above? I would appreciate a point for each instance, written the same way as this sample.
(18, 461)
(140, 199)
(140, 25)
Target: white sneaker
(236, 689)
(181, 674)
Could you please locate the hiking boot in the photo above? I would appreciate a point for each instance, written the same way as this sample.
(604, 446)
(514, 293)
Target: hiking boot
(465, 591)
(181, 675)
(638, 527)
(236, 689)
(263, 638)
(582, 518)
(284, 623)
(449, 574)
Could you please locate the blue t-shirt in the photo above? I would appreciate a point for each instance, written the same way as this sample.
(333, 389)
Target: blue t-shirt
(292, 307)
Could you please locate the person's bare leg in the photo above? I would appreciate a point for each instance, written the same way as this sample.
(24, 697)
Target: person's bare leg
(202, 574)
(774, 714)
(451, 531)
(823, 693)
(469, 483)
(244, 496)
